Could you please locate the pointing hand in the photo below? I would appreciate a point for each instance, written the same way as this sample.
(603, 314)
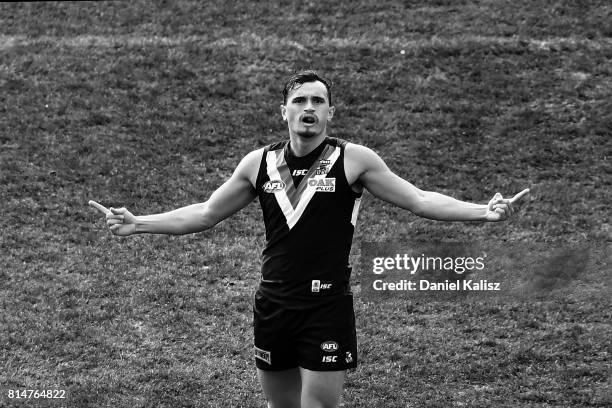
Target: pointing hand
(120, 221)
(499, 208)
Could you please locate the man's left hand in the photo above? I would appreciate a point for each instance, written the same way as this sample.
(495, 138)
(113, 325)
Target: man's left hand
(500, 208)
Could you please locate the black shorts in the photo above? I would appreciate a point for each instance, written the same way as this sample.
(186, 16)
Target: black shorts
(319, 338)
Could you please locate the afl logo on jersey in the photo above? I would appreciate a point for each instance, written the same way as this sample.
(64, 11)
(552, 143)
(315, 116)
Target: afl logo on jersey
(273, 186)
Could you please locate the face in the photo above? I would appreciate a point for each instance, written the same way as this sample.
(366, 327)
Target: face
(307, 110)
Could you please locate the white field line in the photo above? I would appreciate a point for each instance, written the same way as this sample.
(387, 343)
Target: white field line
(251, 40)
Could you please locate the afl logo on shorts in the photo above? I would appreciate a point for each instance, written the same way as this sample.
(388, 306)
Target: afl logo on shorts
(273, 186)
(329, 346)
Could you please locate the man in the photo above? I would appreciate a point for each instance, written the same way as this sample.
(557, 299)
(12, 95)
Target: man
(309, 188)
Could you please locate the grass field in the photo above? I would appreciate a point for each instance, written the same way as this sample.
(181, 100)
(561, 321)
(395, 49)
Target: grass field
(151, 106)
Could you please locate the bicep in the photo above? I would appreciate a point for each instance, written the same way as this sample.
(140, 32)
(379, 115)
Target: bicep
(237, 192)
(231, 197)
(381, 182)
(388, 186)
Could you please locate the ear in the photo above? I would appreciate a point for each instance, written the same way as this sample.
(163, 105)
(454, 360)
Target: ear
(330, 113)
(284, 112)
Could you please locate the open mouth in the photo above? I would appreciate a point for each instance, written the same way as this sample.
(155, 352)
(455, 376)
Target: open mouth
(309, 119)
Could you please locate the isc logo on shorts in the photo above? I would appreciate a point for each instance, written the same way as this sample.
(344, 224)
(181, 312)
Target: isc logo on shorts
(325, 185)
(329, 359)
(273, 186)
(329, 346)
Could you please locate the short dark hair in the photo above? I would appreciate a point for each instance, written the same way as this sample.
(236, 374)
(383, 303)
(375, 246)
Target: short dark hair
(296, 80)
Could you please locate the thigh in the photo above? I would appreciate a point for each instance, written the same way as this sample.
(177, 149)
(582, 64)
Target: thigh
(282, 389)
(321, 389)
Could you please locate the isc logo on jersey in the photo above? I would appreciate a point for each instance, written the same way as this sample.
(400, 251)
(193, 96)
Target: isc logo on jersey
(325, 185)
(317, 286)
(273, 186)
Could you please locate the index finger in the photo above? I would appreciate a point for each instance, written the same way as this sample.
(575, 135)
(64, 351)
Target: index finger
(519, 196)
(99, 207)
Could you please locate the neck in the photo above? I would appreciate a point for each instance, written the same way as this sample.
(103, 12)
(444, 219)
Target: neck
(301, 146)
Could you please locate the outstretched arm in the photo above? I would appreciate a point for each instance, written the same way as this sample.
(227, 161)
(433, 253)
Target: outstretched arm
(228, 199)
(366, 168)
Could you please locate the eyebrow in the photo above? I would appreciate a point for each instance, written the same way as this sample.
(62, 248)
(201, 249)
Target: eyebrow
(315, 97)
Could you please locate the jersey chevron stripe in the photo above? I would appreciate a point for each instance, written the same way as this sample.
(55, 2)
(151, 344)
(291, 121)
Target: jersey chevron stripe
(309, 192)
(285, 175)
(275, 164)
(281, 196)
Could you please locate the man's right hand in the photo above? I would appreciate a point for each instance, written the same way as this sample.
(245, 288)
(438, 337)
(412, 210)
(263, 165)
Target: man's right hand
(120, 220)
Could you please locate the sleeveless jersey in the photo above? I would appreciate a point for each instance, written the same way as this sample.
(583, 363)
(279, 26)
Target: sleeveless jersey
(309, 212)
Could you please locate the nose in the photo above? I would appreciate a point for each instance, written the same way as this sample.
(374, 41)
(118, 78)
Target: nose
(309, 107)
